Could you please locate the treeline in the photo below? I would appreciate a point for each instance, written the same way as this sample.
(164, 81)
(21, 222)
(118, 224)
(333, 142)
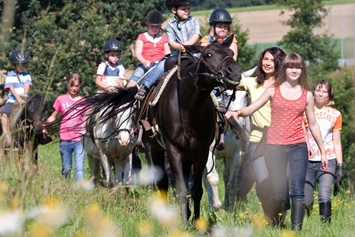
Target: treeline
(212, 4)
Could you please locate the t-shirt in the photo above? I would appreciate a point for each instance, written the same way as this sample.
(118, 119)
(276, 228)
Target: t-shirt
(209, 39)
(329, 120)
(111, 74)
(182, 31)
(153, 51)
(70, 124)
(262, 116)
(18, 83)
(286, 126)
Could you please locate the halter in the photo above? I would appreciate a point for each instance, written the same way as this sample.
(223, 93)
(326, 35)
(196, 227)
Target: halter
(217, 73)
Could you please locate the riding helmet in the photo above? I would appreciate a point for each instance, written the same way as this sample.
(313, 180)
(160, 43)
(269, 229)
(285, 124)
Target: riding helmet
(176, 3)
(112, 45)
(18, 56)
(154, 17)
(220, 15)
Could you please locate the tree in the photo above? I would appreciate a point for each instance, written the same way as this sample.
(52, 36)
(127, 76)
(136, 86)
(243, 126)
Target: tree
(68, 36)
(318, 50)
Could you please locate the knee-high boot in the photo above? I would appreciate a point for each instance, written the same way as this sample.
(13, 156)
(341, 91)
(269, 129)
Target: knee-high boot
(325, 211)
(273, 211)
(297, 214)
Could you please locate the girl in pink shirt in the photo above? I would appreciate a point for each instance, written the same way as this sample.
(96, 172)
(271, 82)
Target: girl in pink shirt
(286, 146)
(70, 138)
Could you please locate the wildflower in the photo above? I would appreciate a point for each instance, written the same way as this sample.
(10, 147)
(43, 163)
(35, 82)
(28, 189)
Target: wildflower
(167, 215)
(231, 231)
(86, 185)
(287, 233)
(149, 175)
(348, 191)
(11, 222)
(144, 229)
(201, 224)
(259, 222)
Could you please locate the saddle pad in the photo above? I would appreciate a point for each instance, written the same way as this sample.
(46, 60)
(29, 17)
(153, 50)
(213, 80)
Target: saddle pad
(158, 87)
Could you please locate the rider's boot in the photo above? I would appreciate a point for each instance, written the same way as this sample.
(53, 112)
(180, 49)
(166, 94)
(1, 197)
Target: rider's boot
(141, 93)
(325, 211)
(297, 214)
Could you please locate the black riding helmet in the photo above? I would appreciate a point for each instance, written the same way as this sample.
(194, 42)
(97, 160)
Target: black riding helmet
(154, 17)
(176, 3)
(18, 56)
(112, 45)
(220, 15)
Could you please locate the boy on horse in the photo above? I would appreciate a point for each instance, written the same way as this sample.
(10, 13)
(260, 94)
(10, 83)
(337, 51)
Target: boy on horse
(182, 30)
(18, 82)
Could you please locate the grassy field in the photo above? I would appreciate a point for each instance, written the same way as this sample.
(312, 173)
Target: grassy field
(43, 204)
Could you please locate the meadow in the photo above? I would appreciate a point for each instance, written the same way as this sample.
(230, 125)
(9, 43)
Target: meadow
(42, 203)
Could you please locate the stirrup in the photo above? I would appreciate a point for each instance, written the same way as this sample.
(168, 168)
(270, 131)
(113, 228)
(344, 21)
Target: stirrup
(141, 94)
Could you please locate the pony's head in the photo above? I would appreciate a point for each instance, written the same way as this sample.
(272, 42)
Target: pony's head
(217, 60)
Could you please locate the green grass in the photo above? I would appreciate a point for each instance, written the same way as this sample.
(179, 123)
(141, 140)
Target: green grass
(89, 213)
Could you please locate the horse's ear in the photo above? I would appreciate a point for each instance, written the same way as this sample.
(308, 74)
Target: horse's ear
(228, 41)
(193, 48)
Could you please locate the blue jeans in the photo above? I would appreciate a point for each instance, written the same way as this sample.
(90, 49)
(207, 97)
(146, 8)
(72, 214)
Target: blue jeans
(139, 72)
(154, 74)
(325, 181)
(66, 149)
(277, 158)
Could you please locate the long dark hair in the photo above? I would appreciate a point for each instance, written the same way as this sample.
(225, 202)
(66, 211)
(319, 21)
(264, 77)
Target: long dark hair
(278, 55)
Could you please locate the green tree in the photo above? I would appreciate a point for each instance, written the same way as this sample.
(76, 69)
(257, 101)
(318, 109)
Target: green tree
(318, 50)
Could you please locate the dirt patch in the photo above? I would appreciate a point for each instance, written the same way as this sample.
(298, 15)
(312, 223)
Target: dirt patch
(266, 26)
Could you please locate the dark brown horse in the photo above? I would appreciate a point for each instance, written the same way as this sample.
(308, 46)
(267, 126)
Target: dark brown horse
(186, 117)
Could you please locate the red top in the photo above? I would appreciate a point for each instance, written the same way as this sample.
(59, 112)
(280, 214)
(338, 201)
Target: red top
(153, 51)
(286, 119)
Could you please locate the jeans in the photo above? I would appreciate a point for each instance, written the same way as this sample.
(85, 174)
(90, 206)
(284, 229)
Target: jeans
(277, 158)
(139, 71)
(66, 149)
(325, 181)
(154, 74)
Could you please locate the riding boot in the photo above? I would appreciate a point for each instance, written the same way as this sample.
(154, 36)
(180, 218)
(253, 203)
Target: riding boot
(273, 211)
(309, 210)
(325, 211)
(141, 93)
(297, 214)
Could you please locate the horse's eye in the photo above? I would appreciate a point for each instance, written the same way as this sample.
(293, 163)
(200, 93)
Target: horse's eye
(209, 55)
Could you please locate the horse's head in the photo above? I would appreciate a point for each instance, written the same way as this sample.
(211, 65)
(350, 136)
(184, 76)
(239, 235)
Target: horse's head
(217, 60)
(125, 127)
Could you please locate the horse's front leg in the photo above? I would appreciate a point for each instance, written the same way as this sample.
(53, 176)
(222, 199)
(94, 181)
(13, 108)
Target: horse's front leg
(213, 180)
(106, 166)
(197, 191)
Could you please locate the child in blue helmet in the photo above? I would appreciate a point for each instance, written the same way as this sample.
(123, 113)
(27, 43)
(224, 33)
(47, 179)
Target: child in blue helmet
(110, 73)
(18, 82)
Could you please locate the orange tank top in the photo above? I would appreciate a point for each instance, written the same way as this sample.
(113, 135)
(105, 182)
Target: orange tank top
(286, 119)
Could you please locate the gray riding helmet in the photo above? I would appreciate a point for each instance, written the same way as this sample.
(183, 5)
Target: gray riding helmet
(18, 56)
(220, 15)
(112, 45)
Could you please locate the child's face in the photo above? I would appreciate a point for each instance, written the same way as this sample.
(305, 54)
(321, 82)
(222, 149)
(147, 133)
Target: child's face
(153, 29)
(73, 88)
(20, 67)
(182, 11)
(113, 57)
(221, 30)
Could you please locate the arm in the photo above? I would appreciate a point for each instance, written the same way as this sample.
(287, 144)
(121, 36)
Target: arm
(167, 49)
(193, 40)
(99, 83)
(337, 146)
(18, 98)
(313, 126)
(52, 117)
(27, 89)
(139, 56)
(246, 111)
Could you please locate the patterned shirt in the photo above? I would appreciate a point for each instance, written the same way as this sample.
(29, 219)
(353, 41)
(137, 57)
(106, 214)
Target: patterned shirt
(182, 31)
(329, 120)
(111, 74)
(286, 126)
(18, 82)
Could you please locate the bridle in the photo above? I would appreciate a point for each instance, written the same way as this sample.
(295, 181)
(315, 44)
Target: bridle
(216, 73)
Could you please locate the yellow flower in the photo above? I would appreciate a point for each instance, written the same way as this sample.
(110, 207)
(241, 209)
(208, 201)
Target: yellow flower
(348, 191)
(259, 222)
(201, 224)
(144, 229)
(287, 233)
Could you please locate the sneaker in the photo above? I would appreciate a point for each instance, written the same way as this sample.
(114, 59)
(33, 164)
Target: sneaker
(141, 93)
(222, 107)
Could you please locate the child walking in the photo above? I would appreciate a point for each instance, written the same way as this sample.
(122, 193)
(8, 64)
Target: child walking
(70, 139)
(182, 30)
(18, 82)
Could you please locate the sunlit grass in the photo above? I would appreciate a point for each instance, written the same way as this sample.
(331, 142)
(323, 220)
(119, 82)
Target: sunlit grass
(48, 205)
